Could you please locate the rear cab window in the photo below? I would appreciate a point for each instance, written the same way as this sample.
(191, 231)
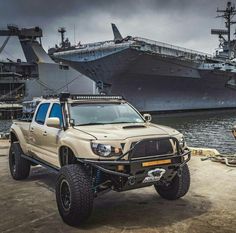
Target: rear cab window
(42, 113)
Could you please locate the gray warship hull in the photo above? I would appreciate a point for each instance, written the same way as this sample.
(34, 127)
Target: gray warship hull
(158, 78)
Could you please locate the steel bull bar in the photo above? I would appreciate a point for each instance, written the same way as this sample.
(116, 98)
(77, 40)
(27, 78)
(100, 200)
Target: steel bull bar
(102, 164)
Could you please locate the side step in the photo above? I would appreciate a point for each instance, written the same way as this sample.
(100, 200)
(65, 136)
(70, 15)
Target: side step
(43, 164)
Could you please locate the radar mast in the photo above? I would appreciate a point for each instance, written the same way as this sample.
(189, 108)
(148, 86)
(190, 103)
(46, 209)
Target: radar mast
(228, 15)
(62, 31)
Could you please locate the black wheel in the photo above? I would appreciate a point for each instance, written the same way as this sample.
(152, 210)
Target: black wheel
(19, 167)
(74, 194)
(177, 188)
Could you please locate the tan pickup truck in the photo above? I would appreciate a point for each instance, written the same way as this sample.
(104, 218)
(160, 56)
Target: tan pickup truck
(97, 143)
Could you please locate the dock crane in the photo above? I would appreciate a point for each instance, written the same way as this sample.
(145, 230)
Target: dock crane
(27, 37)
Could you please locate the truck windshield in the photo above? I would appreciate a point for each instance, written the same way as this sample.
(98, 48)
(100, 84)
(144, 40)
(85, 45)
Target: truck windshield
(96, 113)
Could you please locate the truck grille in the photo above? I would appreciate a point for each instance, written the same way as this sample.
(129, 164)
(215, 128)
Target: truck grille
(152, 147)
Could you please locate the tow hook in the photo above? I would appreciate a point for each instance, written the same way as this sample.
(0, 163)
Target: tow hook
(131, 180)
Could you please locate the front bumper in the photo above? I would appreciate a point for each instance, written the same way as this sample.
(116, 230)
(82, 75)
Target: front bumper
(132, 172)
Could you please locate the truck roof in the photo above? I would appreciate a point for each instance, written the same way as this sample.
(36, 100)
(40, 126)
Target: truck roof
(30, 106)
(83, 98)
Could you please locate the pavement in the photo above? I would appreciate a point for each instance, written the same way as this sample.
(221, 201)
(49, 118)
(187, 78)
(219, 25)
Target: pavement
(4, 147)
(210, 205)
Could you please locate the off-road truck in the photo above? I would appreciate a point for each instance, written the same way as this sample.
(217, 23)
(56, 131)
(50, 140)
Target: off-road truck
(97, 143)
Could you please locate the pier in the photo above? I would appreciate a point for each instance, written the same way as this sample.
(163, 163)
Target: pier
(208, 207)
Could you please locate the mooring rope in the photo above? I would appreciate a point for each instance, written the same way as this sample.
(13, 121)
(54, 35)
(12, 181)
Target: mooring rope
(228, 160)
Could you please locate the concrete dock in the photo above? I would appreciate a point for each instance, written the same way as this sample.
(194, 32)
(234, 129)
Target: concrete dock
(4, 147)
(210, 205)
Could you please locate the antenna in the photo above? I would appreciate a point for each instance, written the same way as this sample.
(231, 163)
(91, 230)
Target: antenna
(62, 31)
(74, 34)
(219, 32)
(227, 14)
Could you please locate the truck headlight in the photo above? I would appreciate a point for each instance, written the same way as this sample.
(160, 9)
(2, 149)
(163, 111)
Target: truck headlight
(105, 150)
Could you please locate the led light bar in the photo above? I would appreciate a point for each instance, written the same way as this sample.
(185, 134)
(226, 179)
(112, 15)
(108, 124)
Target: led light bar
(96, 97)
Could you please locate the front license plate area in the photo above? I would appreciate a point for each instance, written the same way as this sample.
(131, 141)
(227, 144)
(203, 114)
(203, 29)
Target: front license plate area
(154, 175)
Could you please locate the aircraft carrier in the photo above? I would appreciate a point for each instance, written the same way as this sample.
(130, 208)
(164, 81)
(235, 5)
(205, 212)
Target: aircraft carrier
(156, 76)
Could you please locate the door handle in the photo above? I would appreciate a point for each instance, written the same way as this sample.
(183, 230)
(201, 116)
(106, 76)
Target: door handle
(32, 129)
(45, 133)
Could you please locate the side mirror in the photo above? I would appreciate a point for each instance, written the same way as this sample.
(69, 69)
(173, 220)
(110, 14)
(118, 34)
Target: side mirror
(234, 131)
(147, 117)
(53, 122)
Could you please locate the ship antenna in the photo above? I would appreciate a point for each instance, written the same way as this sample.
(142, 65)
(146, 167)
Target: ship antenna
(227, 14)
(62, 31)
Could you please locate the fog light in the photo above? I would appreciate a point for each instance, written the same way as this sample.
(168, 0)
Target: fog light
(120, 168)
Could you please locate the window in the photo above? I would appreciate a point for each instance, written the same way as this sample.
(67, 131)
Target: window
(56, 112)
(110, 113)
(41, 114)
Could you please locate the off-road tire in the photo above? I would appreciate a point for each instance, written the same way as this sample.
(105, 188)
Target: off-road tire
(19, 167)
(177, 188)
(80, 195)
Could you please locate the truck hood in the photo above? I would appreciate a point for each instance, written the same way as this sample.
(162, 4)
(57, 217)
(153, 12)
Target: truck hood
(124, 131)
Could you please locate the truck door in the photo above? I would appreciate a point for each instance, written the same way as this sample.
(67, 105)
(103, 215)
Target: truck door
(53, 135)
(37, 132)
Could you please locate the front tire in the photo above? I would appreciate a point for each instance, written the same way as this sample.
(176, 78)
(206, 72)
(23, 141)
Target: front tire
(177, 188)
(74, 194)
(19, 167)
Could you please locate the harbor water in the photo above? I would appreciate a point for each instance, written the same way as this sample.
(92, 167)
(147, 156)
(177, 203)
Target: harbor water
(210, 129)
(201, 129)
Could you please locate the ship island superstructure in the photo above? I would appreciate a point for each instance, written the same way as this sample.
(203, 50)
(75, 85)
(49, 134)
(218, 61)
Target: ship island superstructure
(156, 76)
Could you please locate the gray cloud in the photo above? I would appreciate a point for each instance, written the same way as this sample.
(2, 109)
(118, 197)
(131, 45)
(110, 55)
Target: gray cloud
(181, 22)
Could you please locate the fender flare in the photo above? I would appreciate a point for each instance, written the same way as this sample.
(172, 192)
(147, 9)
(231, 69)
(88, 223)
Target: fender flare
(20, 138)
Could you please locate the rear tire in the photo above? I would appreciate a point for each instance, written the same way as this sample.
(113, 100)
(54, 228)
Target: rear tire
(74, 194)
(19, 167)
(177, 188)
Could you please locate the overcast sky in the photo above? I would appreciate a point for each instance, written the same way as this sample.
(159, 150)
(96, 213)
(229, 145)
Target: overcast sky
(185, 23)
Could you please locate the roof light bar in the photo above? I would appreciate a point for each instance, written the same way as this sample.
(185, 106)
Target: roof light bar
(96, 97)
(65, 96)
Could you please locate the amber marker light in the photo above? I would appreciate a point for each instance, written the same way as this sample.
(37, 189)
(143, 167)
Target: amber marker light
(158, 162)
(117, 150)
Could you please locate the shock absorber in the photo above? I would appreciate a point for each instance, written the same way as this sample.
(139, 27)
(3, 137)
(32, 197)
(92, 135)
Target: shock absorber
(98, 177)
